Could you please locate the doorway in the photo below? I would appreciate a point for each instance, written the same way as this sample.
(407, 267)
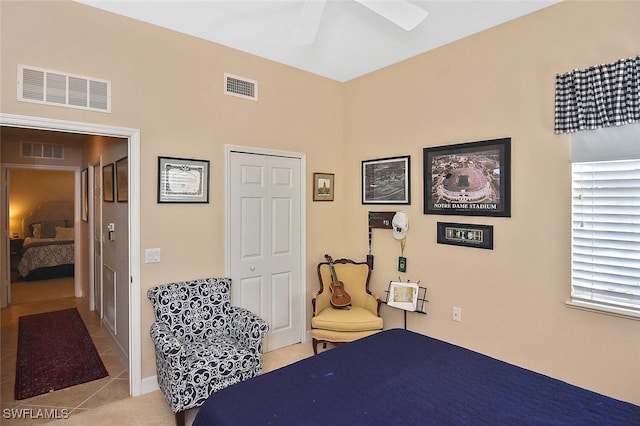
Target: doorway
(37, 189)
(133, 149)
(265, 232)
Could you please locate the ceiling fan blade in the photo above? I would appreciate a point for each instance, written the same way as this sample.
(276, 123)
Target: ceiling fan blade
(308, 22)
(400, 12)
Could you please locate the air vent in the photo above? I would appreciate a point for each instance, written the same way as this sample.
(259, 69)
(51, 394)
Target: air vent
(41, 150)
(62, 89)
(240, 87)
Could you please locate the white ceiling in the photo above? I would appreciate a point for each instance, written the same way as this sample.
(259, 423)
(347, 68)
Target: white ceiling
(351, 40)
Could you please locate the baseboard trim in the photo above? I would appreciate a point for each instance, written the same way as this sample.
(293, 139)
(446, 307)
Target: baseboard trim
(149, 384)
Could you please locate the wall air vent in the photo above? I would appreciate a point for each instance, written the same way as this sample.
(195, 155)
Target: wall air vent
(240, 87)
(41, 150)
(63, 89)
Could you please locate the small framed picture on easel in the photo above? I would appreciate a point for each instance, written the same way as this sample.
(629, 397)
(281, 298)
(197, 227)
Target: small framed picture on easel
(403, 295)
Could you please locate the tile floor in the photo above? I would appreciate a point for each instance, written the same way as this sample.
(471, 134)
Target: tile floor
(99, 395)
(152, 409)
(45, 296)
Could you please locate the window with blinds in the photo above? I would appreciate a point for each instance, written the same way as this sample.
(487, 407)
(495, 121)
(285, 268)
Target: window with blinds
(606, 236)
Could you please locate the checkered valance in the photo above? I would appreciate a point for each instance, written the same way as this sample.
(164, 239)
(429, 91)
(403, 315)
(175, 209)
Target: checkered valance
(599, 96)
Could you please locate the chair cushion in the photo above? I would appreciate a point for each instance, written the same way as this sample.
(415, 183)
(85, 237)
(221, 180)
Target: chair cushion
(353, 319)
(218, 357)
(340, 336)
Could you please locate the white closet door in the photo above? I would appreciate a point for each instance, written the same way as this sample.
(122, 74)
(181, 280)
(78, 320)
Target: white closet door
(265, 242)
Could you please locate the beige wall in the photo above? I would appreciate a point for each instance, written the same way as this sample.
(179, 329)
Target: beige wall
(116, 253)
(170, 86)
(498, 83)
(29, 188)
(30, 181)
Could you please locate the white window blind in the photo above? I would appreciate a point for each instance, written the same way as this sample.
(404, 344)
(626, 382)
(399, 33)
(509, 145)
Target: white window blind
(606, 235)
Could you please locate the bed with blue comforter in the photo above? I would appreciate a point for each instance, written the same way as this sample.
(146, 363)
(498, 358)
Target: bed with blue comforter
(398, 377)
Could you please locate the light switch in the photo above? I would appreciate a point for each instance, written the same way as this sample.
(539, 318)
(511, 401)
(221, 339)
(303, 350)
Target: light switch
(152, 255)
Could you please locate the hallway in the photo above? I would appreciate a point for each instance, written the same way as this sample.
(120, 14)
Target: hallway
(50, 295)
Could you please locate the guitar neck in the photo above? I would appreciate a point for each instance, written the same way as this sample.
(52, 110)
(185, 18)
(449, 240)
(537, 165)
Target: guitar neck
(334, 277)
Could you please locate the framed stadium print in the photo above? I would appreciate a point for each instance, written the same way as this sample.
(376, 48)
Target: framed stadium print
(468, 179)
(386, 181)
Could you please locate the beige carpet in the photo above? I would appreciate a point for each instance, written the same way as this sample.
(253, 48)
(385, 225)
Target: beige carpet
(152, 409)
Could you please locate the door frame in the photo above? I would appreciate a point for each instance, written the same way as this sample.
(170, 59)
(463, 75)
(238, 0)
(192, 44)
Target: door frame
(133, 148)
(228, 149)
(77, 284)
(95, 297)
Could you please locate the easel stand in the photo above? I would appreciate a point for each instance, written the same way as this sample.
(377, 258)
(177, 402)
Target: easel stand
(421, 299)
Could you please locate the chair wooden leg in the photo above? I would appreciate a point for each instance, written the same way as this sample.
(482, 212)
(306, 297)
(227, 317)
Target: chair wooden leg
(180, 418)
(315, 346)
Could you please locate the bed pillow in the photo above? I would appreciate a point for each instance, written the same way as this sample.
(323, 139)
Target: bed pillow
(49, 227)
(36, 230)
(64, 233)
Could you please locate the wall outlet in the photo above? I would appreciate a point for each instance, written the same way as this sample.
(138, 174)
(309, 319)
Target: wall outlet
(456, 314)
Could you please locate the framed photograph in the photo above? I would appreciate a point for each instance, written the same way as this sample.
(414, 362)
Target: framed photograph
(403, 295)
(84, 191)
(183, 180)
(469, 179)
(466, 235)
(122, 180)
(323, 186)
(386, 181)
(107, 183)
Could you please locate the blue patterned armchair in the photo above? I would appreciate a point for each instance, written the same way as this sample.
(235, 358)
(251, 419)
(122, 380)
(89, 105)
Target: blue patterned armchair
(203, 344)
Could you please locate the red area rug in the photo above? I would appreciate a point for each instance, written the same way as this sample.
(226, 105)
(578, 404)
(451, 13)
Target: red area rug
(55, 351)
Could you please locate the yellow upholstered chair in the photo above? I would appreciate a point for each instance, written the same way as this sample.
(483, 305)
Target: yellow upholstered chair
(361, 319)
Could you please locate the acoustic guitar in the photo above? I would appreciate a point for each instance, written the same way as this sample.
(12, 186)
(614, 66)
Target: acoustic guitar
(339, 297)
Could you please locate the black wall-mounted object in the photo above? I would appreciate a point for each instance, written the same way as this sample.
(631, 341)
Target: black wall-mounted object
(370, 261)
(381, 220)
(465, 234)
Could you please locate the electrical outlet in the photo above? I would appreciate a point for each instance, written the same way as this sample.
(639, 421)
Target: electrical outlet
(456, 314)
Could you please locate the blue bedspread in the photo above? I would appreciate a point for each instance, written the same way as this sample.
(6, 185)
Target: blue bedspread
(398, 377)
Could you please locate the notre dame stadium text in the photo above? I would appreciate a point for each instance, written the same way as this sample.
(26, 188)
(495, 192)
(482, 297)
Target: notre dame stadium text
(470, 206)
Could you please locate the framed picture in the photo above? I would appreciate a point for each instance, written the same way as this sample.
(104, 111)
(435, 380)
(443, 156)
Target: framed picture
(386, 181)
(469, 179)
(183, 180)
(84, 191)
(107, 183)
(403, 295)
(323, 186)
(122, 180)
(466, 235)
